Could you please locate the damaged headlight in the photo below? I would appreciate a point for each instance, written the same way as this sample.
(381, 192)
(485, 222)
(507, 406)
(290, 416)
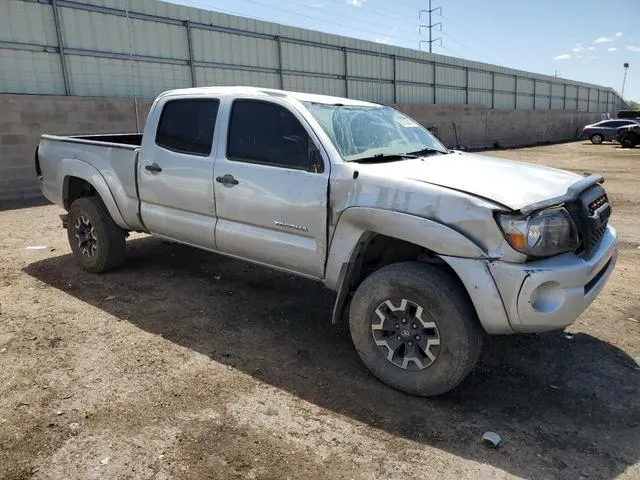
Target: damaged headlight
(542, 234)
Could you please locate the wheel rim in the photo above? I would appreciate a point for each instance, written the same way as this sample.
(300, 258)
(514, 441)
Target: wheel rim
(85, 235)
(403, 336)
(597, 139)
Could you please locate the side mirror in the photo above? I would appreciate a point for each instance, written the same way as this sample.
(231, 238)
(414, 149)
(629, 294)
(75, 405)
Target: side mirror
(315, 160)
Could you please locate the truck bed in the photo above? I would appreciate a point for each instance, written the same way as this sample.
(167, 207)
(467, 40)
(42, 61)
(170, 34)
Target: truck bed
(124, 139)
(109, 160)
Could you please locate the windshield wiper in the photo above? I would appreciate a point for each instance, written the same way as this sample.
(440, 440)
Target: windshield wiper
(425, 151)
(384, 157)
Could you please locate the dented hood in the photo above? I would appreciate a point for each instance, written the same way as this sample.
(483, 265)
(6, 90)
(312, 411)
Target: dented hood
(512, 184)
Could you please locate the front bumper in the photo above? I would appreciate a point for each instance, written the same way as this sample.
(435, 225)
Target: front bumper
(550, 294)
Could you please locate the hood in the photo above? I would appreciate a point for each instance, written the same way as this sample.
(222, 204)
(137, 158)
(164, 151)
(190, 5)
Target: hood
(512, 184)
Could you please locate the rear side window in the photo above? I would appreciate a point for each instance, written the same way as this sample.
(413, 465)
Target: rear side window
(186, 126)
(263, 132)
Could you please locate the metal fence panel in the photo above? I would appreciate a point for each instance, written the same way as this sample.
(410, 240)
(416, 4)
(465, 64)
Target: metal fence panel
(450, 76)
(122, 47)
(324, 86)
(305, 58)
(450, 95)
(27, 22)
(504, 101)
(371, 91)
(480, 98)
(220, 76)
(370, 66)
(233, 49)
(525, 86)
(414, 94)
(480, 80)
(525, 102)
(30, 72)
(417, 72)
(505, 83)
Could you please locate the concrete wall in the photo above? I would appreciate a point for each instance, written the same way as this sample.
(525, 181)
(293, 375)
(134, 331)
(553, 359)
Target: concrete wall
(480, 127)
(23, 118)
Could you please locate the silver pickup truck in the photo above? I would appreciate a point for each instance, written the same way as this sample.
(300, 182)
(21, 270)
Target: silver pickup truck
(428, 249)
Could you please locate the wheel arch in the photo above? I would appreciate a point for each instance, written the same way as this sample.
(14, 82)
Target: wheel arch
(82, 179)
(425, 240)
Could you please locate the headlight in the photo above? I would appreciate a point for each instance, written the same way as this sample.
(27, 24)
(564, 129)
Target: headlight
(541, 234)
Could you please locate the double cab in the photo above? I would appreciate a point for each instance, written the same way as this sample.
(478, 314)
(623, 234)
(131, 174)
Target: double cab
(427, 249)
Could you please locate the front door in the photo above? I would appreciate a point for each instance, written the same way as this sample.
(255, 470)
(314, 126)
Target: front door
(271, 189)
(175, 172)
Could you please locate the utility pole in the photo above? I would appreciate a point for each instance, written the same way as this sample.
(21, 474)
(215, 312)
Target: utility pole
(624, 79)
(430, 26)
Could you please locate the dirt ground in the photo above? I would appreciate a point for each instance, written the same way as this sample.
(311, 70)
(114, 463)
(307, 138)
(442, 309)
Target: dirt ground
(184, 364)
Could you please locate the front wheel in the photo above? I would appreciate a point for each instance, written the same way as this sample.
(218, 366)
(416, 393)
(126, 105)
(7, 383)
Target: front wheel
(96, 241)
(413, 326)
(597, 139)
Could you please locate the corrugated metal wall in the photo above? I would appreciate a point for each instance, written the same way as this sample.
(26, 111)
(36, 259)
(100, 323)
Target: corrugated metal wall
(143, 47)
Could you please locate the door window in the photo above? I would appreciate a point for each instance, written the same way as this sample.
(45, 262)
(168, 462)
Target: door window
(186, 126)
(263, 132)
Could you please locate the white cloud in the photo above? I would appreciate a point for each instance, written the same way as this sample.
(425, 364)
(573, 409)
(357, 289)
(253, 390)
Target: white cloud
(355, 3)
(579, 56)
(591, 48)
(631, 48)
(612, 49)
(618, 34)
(385, 40)
(564, 56)
(578, 49)
(603, 40)
(578, 45)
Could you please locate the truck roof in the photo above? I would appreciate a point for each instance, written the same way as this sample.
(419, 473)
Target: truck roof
(267, 92)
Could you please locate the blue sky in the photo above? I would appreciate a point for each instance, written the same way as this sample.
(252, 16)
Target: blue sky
(587, 40)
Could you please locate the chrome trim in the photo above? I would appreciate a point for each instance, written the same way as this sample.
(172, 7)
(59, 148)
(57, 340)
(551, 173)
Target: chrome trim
(572, 194)
(300, 228)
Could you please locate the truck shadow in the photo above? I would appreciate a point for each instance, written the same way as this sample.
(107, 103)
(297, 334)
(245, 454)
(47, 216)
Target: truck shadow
(566, 408)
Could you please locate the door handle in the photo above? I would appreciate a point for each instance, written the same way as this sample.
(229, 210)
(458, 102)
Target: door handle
(227, 180)
(154, 167)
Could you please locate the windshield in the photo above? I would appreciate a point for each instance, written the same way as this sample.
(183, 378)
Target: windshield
(364, 132)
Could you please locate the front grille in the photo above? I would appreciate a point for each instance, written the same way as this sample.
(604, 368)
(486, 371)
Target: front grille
(591, 213)
(597, 203)
(596, 235)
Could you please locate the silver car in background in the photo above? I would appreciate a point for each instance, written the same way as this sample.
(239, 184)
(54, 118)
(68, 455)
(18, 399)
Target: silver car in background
(605, 130)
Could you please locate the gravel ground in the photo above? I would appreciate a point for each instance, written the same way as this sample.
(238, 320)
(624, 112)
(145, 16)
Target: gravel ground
(184, 364)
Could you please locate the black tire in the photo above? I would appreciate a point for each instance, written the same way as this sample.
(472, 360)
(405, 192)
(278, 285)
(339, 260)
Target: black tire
(444, 302)
(104, 242)
(628, 141)
(597, 139)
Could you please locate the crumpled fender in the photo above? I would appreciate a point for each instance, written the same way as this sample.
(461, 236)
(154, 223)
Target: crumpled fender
(355, 222)
(73, 167)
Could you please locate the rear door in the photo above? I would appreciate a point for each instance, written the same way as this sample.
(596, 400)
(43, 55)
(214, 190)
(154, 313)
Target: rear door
(175, 171)
(271, 198)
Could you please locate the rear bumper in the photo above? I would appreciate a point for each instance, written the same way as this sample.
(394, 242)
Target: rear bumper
(551, 294)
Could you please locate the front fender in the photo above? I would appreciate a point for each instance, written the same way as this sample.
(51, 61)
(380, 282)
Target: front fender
(72, 167)
(355, 222)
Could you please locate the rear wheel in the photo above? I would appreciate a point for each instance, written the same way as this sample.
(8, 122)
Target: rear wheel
(415, 329)
(597, 139)
(96, 241)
